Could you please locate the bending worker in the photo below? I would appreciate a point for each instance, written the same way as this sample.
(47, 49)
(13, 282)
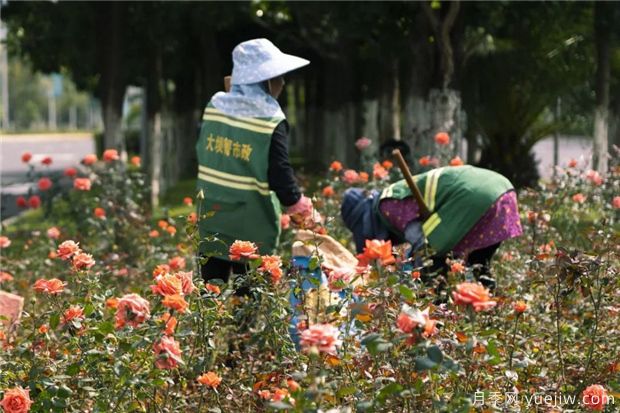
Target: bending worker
(244, 171)
(472, 210)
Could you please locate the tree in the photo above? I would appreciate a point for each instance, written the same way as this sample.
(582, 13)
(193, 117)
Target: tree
(605, 19)
(541, 51)
(85, 38)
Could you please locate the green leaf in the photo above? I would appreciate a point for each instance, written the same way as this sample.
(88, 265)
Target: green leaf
(375, 343)
(389, 390)
(406, 292)
(313, 264)
(64, 392)
(54, 320)
(424, 363)
(346, 391)
(392, 279)
(435, 354)
(73, 369)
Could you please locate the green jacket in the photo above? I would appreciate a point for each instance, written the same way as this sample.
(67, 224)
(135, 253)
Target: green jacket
(456, 196)
(233, 155)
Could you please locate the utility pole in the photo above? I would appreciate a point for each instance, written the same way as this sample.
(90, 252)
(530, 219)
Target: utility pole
(556, 137)
(4, 69)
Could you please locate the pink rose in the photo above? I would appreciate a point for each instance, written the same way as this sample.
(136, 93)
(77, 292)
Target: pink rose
(133, 310)
(167, 353)
(323, 337)
(362, 143)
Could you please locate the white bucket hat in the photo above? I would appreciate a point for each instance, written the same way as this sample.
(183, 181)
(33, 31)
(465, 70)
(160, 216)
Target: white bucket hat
(257, 60)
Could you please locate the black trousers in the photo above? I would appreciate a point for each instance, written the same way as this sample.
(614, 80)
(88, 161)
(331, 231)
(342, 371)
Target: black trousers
(217, 268)
(481, 257)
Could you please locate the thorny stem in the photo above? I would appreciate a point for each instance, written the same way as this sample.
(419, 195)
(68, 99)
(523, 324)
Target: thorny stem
(512, 343)
(558, 314)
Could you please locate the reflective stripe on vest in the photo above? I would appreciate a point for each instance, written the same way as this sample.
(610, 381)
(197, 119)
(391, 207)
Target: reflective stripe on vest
(431, 223)
(430, 188)
(246, 183)
(254, 125)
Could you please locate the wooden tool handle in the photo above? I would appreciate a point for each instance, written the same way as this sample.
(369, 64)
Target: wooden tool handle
(424, 212)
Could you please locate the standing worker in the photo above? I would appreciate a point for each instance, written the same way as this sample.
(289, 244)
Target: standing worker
(244, 172)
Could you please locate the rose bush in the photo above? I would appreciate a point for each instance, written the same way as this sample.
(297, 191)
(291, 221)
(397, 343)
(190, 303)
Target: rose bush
(116, 317)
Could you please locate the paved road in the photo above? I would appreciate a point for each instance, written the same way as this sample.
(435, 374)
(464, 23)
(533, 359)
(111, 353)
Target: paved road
(66, 149)
(570, 147)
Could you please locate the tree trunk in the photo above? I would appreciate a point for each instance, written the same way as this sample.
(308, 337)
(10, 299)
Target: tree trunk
(154, 127)
(112, 84)
(601, 112)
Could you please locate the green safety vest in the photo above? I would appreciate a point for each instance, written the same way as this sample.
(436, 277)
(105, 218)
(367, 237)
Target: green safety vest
(456, 196)
(233, 157)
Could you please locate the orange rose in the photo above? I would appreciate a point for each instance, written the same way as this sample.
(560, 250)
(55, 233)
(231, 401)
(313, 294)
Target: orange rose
(520, 307)
(111, 302)
(425, 160)
(350, 176)
(457, 268)
(243, 249)
(53, 286)
(175, 302)
(595, 397)
(67, 249)
(292, 385)
(405, 323)
(167, 284)
(579, 198)
(110, 155)
(162, 224)
(171, 324)
(16, 400)
(135, 161)
(363, 177)
(335, 166)
(99, 213)
(161, 269)
(213, 288)
(456, 161)
(176, 263)
(5, 276)
(192, 217)
(328, 191)
(45, 183)
(387, 164)
(572, 163)
(187, 281)
(5, 241)
(273, 265)
(82, 184)
(442, 138)
(73, 313)
(379, 250)
(133, 310)
(210, 379)
(83, 261)
(188, 201)
(53, 233)
(154, 233)
(89, 159)
(167, 353)
(474, 294)
(44, 329)
(171, 230)
(379, 172)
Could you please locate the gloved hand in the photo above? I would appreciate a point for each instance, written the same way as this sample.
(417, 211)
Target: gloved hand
(303, 213)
